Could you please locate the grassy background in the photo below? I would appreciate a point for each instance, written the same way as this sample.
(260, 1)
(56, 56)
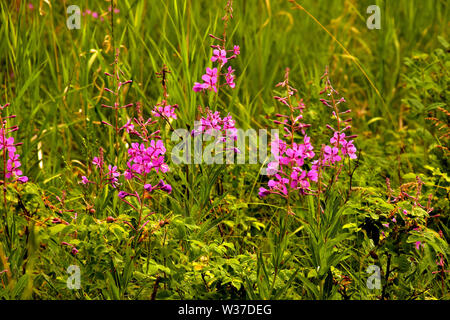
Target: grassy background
(53, 76)
(54, 79)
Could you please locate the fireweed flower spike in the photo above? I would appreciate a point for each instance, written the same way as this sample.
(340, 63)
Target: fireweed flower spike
(11, 163)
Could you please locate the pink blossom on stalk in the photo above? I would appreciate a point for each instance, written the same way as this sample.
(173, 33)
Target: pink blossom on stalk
(349, 149)
(167, 111)
(97, 162)
(263, 192)
(229, 76)
(7, 143)
(291, 160)
(129, 127)
(418, 244)
(213, 121)
(12, 166)
(116, 10)
(219, 55)
(84, 180)
(123, 194)
(336, 137)
(112, 175)
(8, 146)
(210, 79)
(197, 87)
(143, 160)
(22, 179)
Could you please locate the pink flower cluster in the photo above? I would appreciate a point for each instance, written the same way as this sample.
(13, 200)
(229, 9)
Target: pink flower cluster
(142, 160)
(287, 168)
(213, 121)
(211, 79)
(167, 111)
(8, 148)
(340, 144)
(96, 15)
(111, 176)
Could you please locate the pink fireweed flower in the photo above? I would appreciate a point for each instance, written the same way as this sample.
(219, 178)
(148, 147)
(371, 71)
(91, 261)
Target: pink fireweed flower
(116, 10)
(84, 180)
(198, 87)
(129, 127)
(167, 188)
(263, 192)
(12, 166)
(7, 143)
(209, 81)
(220, 56)
(213, 122)
(97, 162)
(278, 185)
(336, 137)
(142, 160)
(112, 175)
(295, 161)
(349, 149)
(22, 179)
(123, 194)
(8, 149)
(229, 76)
